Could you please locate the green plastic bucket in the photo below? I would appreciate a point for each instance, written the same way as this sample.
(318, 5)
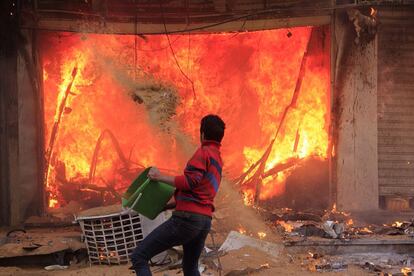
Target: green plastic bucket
(147, 197)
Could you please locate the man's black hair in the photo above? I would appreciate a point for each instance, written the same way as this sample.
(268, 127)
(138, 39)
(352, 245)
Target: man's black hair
(213, 128)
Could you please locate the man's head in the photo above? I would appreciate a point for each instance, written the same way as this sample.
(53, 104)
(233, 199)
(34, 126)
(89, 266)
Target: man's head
(212, 128)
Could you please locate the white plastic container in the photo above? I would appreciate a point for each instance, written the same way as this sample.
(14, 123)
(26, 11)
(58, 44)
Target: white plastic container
(111, 238)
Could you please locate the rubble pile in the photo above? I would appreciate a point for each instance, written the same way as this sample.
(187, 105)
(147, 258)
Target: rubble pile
(59, 246)
(331, 224)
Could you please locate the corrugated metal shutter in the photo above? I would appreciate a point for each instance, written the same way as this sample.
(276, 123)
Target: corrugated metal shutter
(396, 102)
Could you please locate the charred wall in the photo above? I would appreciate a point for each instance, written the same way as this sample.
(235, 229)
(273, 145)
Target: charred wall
(8, 112)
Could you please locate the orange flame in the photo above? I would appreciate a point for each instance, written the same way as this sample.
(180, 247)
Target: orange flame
(248, 197)
(305, 130)
(406, 271)
(373, 12)
(288, 227)
(247, 79)
(242, 230)
(52, 202)
(365, 230)
(397, 224)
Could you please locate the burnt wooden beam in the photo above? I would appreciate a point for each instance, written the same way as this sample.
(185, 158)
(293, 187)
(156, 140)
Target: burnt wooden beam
(40, 123)
(96, 26)
(203, 16)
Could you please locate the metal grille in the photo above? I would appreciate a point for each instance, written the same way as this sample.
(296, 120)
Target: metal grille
(396, 102)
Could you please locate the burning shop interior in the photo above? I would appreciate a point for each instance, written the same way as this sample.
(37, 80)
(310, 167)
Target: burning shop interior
(317, 100)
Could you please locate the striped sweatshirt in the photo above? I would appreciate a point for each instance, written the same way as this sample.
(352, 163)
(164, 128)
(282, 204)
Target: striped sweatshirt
(197, 187)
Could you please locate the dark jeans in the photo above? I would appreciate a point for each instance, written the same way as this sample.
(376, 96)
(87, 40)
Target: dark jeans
(189, 230)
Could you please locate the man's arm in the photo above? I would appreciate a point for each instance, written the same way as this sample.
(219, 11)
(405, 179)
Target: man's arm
(155, 174)
(193, 173)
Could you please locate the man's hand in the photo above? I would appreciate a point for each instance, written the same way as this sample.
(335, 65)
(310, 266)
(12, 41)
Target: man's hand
(154, 174)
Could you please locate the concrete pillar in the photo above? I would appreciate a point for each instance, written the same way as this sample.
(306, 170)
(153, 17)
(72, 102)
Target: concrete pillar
(356, 119)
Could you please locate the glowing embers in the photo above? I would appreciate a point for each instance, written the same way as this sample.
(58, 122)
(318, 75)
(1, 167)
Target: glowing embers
(247, 78)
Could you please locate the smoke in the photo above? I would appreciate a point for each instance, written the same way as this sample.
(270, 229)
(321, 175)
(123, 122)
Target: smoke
(160, 99)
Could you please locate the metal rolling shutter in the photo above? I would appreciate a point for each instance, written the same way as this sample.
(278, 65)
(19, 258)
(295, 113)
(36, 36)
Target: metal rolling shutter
(396, 102)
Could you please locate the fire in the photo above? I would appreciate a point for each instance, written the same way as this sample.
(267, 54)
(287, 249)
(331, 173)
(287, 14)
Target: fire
(104, 138)
(334, 210)
(372, 12)
(52, 203)
(304, 132)
(365, 230)
(397, 224)
(261, 235)
(248, 197)
(242, 230)
(350, 222)
(406, 271)
(288, 227)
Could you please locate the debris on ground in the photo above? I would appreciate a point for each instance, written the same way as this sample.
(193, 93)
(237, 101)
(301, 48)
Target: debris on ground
(238, 255)
(247, 271)
(331, 224)
(57, 246)
(55, 267)
(235, 241)
(246, 260)
(333, 229)
(385, 263)
(253, 249)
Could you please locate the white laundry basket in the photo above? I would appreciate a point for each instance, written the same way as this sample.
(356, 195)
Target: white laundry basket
(111, 238)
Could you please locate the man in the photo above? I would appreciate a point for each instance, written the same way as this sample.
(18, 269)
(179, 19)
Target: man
(194, 196)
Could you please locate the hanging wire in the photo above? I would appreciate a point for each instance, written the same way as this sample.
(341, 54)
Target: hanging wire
(173, 53)
(159, 48)
(189, 39)
(135, 42)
